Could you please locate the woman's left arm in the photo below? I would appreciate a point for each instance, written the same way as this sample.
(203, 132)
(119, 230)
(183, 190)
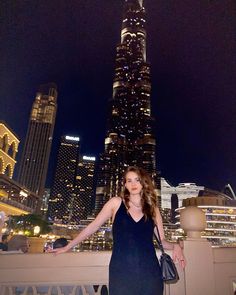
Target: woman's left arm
(178, 255)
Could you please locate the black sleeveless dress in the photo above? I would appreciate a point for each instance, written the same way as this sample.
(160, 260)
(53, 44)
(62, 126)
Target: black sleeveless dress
(134, 268)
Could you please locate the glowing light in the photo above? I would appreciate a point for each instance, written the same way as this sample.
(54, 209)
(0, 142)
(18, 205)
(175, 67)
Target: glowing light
(24, 194)
(89, 158)
(36, 230)
(73, 138)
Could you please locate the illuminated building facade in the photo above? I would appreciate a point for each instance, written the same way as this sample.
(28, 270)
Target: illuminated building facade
(36, 152)
(181, 191)
(172, 198)
(9, 143)
(130, 137)
(14, 199)
(83, 193)
(220, 211)
(60, 206)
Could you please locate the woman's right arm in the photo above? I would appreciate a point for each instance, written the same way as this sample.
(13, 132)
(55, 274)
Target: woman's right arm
(102, 217)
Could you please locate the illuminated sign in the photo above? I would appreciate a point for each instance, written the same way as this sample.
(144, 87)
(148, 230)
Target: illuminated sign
(89, 158)
(72, 138)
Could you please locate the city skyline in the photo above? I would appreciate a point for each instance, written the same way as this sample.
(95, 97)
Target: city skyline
(190, 48)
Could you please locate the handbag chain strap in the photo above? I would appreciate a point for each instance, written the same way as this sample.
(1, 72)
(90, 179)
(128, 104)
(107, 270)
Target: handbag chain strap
(159, 240)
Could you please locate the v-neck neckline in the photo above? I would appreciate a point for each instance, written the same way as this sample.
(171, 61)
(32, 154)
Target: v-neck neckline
(135, 221)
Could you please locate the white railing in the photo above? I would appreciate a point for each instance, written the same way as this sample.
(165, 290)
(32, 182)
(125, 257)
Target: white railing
(212, 270)
(209, 271)
(72, 273)
(84, 273)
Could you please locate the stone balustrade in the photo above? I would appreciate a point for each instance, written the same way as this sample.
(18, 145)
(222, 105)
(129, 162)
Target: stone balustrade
(209, 271)
(65, 274)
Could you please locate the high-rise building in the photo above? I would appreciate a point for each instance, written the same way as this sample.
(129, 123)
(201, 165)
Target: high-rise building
(83, 194)
(60, 206)
(130, 136)
(36, 152)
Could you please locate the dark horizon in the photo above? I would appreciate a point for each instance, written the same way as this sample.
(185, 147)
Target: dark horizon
(191, 49)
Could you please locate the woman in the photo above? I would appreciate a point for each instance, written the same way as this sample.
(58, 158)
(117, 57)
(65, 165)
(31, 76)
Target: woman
(134, 268)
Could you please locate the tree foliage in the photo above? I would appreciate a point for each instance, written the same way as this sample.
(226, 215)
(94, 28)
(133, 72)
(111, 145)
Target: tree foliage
(27, 223)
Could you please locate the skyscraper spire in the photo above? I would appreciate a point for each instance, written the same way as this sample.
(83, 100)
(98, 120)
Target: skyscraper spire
(129, 138)
(139, 2)
(133, 25)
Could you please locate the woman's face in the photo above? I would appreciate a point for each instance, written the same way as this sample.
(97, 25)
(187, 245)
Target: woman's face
(132, 183)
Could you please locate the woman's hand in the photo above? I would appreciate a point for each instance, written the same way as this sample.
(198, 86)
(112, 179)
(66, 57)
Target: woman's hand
(178, 256)
(58, 250)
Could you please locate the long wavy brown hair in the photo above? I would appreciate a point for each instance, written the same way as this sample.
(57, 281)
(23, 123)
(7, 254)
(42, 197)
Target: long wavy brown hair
(148, 196)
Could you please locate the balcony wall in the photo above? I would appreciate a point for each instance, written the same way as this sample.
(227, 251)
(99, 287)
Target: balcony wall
(35, 270)
(76, 273)
(209, 271)
(37, 273)
(224, 260)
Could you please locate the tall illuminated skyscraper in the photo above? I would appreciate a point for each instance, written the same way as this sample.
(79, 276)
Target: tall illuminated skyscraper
(130, 136)
(35, 157)
(83, 193)
(72, 196)
(60, 206)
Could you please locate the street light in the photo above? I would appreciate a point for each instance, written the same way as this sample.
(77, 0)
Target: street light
(36, 230)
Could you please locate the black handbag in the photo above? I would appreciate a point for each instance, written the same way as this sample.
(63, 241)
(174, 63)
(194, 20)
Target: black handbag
(168, 268)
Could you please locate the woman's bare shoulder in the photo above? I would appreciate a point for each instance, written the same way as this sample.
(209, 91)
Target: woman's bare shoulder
(116, 201)
(113, 203)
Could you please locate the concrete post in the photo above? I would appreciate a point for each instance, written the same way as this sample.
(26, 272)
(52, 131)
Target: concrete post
(199, 272)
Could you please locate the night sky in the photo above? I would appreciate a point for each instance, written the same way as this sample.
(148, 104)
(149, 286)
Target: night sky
(191, 48)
